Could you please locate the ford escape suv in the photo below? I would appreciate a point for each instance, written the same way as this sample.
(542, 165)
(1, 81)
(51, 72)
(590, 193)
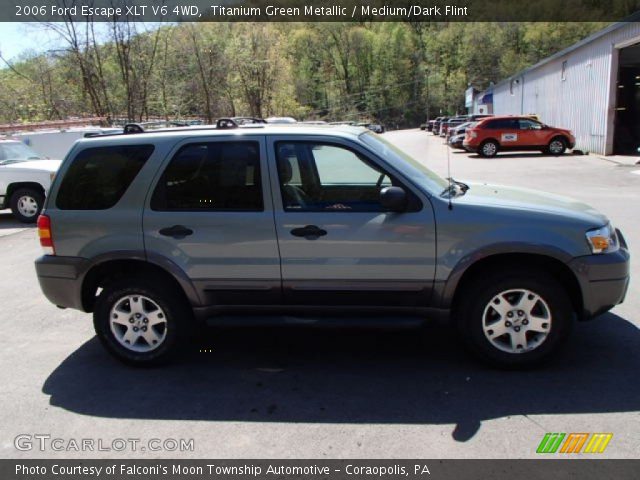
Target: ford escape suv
(160, 232)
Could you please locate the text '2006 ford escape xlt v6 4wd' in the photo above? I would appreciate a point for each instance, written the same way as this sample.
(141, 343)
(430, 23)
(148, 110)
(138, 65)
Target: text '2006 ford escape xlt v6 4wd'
(157, 232)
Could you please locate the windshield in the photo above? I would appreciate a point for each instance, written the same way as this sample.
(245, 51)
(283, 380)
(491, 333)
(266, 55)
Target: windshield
(404, 162)
(11, 152)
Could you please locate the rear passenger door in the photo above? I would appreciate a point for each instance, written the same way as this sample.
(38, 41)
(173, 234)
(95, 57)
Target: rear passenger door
(208, 213)
(507, 132)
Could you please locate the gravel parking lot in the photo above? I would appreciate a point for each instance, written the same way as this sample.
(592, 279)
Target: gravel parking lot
(301, 393)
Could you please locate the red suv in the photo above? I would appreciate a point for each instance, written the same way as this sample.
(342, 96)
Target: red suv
(494, 134)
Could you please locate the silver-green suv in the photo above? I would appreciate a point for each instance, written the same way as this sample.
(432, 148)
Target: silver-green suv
(159, 232)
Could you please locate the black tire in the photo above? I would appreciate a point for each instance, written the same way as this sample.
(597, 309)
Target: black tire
(26, 200)
(557, 146)
(474, 308)
(489, 149)
(176, 332)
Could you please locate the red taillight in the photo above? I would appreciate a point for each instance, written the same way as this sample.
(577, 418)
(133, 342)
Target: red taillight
(44, 233)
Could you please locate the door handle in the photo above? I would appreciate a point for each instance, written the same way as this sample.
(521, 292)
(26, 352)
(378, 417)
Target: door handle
(177, 231)
(310, 232)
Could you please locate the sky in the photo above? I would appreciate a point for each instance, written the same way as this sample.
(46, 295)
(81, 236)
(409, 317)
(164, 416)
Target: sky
(18, 38)
(32, 37)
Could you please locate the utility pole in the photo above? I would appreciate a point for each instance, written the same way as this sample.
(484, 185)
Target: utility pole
(428, 93)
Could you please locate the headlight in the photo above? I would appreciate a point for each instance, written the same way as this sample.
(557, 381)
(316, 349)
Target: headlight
(603, 239)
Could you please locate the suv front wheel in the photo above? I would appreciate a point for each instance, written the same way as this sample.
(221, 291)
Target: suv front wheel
(557, 146)
(515, 319)
(141, 321)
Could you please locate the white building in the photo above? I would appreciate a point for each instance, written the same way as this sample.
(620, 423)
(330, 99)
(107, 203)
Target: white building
(592, 88)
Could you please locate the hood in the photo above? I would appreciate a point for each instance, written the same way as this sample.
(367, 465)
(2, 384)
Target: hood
(525, 199)
(39, 165)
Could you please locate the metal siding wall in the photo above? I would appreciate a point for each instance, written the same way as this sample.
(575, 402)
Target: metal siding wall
(581, 102)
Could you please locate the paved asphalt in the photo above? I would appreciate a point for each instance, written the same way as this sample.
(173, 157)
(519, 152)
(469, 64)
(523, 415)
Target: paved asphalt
(284, 393)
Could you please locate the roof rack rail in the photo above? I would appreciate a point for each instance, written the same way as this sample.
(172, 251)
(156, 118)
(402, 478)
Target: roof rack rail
(226, 122)
(223, 123)
(235, 122)
(132, 128)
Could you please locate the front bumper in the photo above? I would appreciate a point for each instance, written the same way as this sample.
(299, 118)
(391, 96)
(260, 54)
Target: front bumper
(603, 279)
(469, 147)
(61, 278)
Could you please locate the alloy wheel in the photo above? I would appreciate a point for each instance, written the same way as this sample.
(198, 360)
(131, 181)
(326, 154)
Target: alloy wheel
(556, 147)
(516, 321)
(138, 323)
(489, 149)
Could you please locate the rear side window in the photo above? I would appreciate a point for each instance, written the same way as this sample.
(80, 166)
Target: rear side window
(213, 176)
(502, 124)
(98, 177)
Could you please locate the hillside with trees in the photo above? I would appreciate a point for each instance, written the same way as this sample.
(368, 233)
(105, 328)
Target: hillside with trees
(332, 71)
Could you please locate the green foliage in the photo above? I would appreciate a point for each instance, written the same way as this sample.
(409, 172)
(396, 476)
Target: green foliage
(395, 73)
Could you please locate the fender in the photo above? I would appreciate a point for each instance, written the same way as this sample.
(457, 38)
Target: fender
(148, 257)
(445, 291)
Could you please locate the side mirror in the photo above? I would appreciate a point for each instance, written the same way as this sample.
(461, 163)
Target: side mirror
(393, 199)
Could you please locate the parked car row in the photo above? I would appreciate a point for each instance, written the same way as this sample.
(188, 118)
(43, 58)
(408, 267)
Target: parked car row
(457, 134)
(441, 125)
(488, 135)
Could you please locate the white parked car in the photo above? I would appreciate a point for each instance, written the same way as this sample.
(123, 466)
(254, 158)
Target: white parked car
(56, 143)
(281, 120)
(25, 178)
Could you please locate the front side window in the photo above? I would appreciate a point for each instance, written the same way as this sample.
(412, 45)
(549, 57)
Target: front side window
(211, 176)
(529, 124)
(98, 177)
(324, 177)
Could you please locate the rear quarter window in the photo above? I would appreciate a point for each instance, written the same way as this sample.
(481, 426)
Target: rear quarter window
(98, 177)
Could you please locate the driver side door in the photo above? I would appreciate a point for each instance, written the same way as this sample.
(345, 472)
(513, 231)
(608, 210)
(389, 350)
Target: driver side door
(338, 246)
(531, 133)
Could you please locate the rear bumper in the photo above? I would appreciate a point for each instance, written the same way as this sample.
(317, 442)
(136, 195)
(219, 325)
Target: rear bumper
(603, 279)
(60, 279)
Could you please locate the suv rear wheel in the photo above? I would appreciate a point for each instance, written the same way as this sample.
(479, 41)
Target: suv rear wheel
(489, 149)
(26, 204)
(141, 321)
(515, 318)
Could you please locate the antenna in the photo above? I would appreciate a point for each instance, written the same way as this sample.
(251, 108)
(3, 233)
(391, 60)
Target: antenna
(449, 175)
